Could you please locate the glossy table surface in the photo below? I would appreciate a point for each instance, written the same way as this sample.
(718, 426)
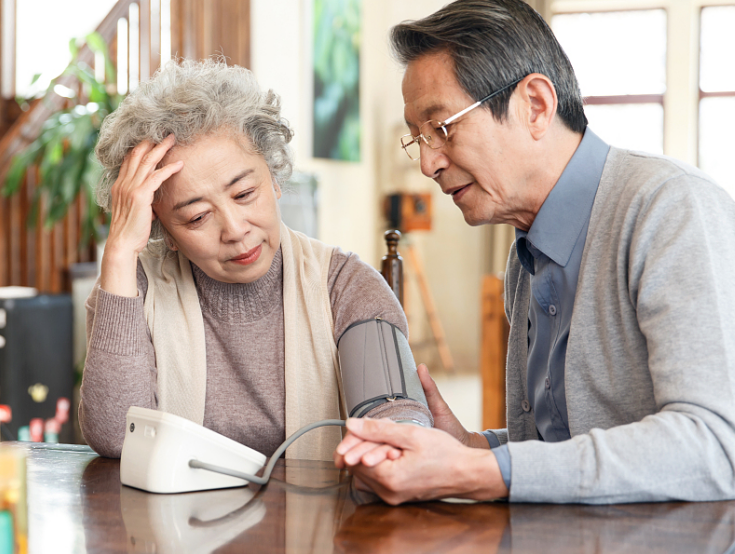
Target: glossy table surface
(77, 504)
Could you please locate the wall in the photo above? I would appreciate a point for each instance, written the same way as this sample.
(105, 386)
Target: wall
(455, 255)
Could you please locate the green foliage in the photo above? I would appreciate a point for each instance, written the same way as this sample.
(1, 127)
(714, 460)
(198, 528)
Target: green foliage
(337, 79)
(64, 150)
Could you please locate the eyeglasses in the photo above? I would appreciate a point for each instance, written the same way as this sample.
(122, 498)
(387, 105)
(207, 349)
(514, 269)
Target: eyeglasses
(434, 133)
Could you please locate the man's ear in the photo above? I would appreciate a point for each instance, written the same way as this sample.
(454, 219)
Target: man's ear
(539, 99)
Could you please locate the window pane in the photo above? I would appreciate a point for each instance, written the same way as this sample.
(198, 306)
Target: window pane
(631, 126)
(43, 31)
(717, 63)
(716, 121)
(615, 53)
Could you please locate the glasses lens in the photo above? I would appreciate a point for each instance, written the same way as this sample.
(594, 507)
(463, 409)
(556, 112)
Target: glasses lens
(433, 133)
(411, 146)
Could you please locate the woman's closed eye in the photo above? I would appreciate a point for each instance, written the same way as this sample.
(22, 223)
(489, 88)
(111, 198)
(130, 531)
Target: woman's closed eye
(197, 220)
(247, 194)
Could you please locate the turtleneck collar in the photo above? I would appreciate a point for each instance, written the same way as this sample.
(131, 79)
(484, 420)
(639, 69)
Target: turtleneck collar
(246, 301)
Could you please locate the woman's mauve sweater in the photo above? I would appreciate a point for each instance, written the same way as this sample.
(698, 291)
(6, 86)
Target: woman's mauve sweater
(243, 326)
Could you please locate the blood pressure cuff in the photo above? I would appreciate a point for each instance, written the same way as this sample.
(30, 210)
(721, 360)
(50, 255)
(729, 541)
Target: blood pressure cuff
(377, 367)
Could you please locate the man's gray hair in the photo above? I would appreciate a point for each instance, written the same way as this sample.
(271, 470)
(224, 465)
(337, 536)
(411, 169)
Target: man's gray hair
(493, 43)
(193, 99)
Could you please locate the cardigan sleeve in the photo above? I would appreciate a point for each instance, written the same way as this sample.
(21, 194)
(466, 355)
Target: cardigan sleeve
(674, 275)
(120, 367)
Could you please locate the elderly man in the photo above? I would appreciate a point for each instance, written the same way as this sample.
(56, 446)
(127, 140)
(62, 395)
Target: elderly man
(621, 356)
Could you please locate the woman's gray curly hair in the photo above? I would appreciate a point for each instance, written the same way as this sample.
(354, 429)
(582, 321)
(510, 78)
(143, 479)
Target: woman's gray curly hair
(192, 99)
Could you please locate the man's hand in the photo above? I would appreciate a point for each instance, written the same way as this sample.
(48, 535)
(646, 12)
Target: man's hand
(372, 453)
(444, 418)
(432, 464)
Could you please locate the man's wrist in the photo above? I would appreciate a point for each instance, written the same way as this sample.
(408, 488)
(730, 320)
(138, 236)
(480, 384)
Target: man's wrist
(485, 479)
(477, 440)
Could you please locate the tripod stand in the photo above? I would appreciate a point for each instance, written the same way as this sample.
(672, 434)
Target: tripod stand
(392, 269)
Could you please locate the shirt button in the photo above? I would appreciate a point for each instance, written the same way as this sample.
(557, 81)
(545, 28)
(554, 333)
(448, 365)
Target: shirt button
(548, 383)
(552, 310)
(526, 406)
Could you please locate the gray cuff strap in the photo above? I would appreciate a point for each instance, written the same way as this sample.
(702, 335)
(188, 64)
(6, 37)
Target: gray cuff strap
(377, 366)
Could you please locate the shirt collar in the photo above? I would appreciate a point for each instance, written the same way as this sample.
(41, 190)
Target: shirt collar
(567, 209)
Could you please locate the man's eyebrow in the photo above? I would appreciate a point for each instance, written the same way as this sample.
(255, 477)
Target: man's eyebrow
(234, 180)
(426, 114)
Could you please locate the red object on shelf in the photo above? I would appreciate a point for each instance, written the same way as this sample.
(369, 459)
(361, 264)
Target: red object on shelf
(52, 426)
(36, 428)
(6, 413)
(62, 410)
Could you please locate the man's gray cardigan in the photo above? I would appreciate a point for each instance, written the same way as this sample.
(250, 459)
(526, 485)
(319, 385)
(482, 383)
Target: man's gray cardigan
(650, 364)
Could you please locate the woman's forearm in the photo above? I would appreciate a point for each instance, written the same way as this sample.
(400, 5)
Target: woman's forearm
(119, 369)
(106, 396)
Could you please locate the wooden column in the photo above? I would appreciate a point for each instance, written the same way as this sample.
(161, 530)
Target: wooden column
(493, 353)
(204, 28)
(392, 264)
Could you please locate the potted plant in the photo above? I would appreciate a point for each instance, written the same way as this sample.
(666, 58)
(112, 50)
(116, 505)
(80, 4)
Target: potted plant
(64, 150)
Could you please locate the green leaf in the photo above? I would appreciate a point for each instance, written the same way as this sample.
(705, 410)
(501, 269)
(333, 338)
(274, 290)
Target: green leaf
(53, 152)
(36, 77)
(97, 94)
(73, 48)
(96, 43)
(64, 150)
(14, 177)
(82, 128)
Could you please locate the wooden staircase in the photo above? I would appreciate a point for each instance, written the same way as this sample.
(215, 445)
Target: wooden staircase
(39, 257)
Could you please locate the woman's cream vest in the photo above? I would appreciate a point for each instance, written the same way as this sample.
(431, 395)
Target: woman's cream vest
(312, 375)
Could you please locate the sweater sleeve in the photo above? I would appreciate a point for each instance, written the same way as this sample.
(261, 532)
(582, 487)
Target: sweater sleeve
(677, 269)
(120, 367)
(359, 293)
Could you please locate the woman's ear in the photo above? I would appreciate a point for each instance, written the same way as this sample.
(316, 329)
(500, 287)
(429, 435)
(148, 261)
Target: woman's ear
(277, 189)
(539, 97)
(169, 241)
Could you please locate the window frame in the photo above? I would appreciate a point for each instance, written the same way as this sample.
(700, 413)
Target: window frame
(628, 99)
(682, 96)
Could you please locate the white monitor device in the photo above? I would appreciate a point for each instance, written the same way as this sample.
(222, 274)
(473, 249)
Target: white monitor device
(158, 447)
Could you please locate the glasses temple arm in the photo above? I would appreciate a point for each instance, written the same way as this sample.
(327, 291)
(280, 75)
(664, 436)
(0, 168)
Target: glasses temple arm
(473, 106)
(460, 114)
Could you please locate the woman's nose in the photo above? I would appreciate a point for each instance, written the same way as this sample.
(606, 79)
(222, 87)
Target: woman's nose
(235, 225)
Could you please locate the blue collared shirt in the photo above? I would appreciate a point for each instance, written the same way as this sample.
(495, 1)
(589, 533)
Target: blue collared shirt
(551, 252)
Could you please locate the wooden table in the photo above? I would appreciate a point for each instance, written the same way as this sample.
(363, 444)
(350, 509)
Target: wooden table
(76, 504)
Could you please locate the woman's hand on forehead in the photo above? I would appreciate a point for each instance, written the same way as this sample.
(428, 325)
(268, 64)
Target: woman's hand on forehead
(141, 175)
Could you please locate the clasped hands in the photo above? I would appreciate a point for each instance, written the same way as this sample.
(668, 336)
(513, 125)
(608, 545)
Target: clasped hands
(402, 463)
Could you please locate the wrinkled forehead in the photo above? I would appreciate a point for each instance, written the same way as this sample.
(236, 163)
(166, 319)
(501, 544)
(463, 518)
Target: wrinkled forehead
(431, 90)
(210, 163)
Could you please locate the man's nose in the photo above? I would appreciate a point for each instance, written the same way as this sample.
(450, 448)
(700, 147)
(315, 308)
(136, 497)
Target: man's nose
(432, 160)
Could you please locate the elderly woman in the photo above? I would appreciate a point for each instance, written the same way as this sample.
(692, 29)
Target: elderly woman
(207, 305)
